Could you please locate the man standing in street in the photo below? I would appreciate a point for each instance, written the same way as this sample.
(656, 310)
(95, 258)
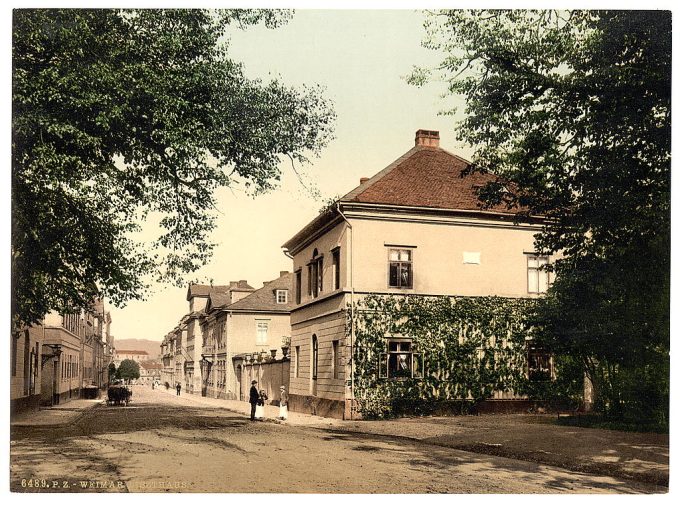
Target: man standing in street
(254, 398)
(179, 388)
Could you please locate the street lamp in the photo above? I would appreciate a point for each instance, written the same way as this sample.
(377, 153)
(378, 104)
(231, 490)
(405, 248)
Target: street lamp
(56, 352)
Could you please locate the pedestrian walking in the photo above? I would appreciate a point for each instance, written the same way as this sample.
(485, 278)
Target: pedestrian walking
(254, 397)
(179, 388)
(259, 410)
(283, 404)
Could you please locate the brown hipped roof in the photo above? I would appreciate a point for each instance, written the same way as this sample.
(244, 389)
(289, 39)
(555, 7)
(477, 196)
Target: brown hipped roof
(426, 176)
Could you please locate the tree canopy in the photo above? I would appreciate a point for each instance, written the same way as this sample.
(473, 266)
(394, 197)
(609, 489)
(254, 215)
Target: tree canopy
(128, 370)
(122, 117)
(573, 108)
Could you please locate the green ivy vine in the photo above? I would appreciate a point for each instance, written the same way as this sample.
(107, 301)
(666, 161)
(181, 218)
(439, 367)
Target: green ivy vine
(471, 347)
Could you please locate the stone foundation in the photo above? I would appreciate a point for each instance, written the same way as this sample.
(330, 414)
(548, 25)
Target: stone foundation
(316, 406)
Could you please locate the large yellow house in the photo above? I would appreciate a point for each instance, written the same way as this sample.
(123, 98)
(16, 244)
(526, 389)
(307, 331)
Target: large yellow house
(416, 227)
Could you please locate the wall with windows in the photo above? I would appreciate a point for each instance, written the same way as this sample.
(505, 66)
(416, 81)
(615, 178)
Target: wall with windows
(248, 332)
(319, 389)
(474, 258)
(318, 272)
(62, 376)
(25, 371)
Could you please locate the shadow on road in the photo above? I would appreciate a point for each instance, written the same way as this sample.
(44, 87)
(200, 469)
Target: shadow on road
(432, 456)
(114, 419)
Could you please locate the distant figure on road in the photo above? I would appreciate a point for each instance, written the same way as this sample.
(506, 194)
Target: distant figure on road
(179, 388)
(153, 385)
(283, 404)
(254, 398)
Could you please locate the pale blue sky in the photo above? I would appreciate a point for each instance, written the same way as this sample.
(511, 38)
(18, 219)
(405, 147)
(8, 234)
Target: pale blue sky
(361, 58)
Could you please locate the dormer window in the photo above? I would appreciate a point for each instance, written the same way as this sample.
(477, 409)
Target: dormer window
(281, 296)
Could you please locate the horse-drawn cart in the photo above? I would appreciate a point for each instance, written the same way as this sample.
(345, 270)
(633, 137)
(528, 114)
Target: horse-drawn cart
(118, 395)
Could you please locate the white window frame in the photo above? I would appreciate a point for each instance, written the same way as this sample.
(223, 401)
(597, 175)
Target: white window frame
(540, 273)
(397, 248)
(279, 293)
(258, 326)
(414, 360)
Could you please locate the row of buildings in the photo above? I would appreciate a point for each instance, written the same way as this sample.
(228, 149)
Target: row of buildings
(62, 358)
(414, 228)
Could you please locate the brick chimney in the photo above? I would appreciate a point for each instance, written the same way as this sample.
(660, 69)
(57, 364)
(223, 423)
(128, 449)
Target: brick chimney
(427, 138)
(281, 273)
(363, 180)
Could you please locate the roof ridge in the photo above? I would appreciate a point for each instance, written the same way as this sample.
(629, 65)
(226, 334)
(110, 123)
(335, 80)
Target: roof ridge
(380, 175)
(455, 156)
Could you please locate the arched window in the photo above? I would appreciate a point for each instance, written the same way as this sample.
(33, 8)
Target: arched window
(315, 356)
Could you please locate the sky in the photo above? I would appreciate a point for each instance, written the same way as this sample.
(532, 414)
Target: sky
(361, 58)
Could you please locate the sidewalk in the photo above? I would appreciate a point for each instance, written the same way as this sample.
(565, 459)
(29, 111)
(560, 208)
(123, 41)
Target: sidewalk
(535, 438)
(58, 415)
(271, 412)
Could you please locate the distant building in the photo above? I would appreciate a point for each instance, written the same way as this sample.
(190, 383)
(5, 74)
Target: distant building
(244, 339)
(135, 355)
(54, 360)
(231, 334)
(149, 371)
(182, 348)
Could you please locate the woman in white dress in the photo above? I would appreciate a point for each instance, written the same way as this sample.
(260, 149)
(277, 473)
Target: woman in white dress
(259, 410)
(283, 404)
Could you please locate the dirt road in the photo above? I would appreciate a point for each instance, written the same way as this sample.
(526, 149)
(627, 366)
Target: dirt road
(166, 443)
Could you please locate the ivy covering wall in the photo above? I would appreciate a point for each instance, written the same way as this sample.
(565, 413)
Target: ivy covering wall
(470, 347)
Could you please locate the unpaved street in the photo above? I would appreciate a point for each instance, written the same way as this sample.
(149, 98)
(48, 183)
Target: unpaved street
(166, 443)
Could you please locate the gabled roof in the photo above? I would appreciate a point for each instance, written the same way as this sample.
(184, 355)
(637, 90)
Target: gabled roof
(264, 299)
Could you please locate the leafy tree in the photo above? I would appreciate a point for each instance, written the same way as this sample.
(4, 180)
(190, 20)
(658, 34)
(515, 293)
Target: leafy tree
(128, 370)
(123, 117)
(572, 111)
(112, 371)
